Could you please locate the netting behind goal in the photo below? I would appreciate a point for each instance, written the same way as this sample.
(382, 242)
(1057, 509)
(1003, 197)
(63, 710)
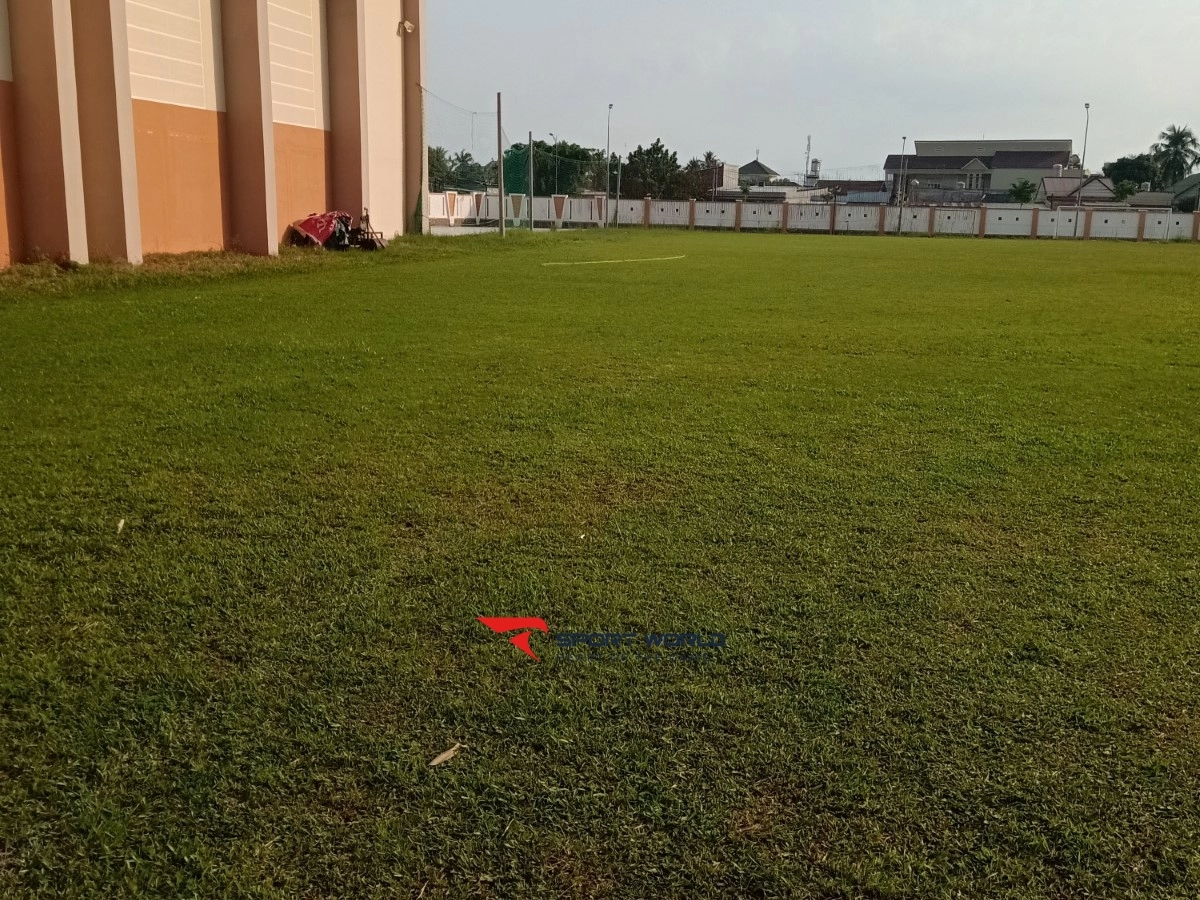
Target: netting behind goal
(462, 146)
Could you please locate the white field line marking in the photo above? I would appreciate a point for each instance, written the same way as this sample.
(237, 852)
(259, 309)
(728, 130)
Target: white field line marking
(605, 262)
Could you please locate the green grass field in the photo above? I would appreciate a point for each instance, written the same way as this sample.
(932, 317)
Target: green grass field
(943, 496)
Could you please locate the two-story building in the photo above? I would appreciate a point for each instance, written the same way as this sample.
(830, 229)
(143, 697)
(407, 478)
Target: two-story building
(988, 167)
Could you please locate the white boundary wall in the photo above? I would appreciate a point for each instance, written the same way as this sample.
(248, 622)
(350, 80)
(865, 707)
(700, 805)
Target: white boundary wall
(1006, 221)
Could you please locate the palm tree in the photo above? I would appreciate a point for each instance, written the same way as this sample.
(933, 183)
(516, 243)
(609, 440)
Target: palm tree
(710, 159)
(1176, 153)
(439, 168)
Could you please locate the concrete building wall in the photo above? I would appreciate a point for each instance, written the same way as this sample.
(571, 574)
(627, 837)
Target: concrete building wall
(179, 125)
(177, 84)
(383, 62)
(300, 109)
(11, 247)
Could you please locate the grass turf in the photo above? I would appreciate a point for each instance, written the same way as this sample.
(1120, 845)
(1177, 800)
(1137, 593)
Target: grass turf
(942, 496)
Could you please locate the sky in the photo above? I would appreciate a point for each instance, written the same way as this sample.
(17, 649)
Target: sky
(761, 75)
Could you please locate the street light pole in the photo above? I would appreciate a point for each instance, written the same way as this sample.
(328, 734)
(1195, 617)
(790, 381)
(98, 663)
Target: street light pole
(900, 183)
(607, 172)
(1087, 107)
(553, 135)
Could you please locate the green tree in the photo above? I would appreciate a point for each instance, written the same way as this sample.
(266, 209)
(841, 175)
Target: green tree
(1176, 153)
(1123, 190)
(466, 173)
(1023, 191)
(439, 168)
(653, 171)
(1139, 169)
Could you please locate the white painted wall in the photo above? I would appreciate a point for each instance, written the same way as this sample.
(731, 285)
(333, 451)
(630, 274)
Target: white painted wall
(1058, 223)
(1010, 222)
(762, 216)
(299, 76)
(669, 213)
(715, 215)
(631, 212)
(858, 218)
(808, 217)
(174, 52)
(957, 221)
(5, 44)
(1109, 224)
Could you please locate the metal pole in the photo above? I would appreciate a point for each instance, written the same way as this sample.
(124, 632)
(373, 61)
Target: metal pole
(903, 175)
(555, 136)
(500, 159)
(607, 169)
(1082, 162)
(531, 181)
(617, 215)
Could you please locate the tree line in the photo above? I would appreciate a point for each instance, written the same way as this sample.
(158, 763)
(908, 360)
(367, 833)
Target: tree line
(1173, 157)
(568, 168)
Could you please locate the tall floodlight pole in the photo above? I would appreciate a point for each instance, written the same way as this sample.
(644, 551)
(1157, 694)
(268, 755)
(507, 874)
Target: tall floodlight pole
(530, 181)
(555, 138)
(1087, 107)
(616, 214)
(900, 185)
(500, 160)
(607, 170)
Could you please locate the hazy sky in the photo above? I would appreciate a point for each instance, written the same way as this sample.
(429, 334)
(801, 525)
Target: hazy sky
(734, 77)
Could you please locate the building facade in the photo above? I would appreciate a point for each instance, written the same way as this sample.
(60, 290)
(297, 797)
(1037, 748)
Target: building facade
(979, 166)
(144, 126)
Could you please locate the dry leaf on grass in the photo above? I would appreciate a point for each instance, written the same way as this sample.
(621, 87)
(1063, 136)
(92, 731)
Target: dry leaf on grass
(120, 526)
(447, 756)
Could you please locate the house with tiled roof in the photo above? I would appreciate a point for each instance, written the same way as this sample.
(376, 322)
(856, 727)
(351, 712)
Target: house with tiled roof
(987, 167)
(1057, 191)
(756, 173)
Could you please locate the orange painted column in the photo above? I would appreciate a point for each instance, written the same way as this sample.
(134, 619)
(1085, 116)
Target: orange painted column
(1087, 225)
(1196, 224)
(833, 216)
(983, 221)
(110, 177)
(646, 213)
(932, 220)
(1033, 228)
(883, 219)
(1141, 226)
(250, 152)
(46, 125)
(692, 215)
(416, 156)
(737, 214)
(787, 214)
(347, 161)
(12, 229)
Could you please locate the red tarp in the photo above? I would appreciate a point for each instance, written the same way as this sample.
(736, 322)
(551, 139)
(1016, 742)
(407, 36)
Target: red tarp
(320, 228)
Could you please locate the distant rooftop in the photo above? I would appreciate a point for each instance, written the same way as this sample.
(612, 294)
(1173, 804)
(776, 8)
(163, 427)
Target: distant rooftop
(756, 168)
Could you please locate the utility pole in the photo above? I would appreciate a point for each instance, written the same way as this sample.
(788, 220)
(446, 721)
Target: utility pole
(900, 187)
(607, 170)
(500, 159)
(1082, 162)
(617, 214)
(530, 198)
